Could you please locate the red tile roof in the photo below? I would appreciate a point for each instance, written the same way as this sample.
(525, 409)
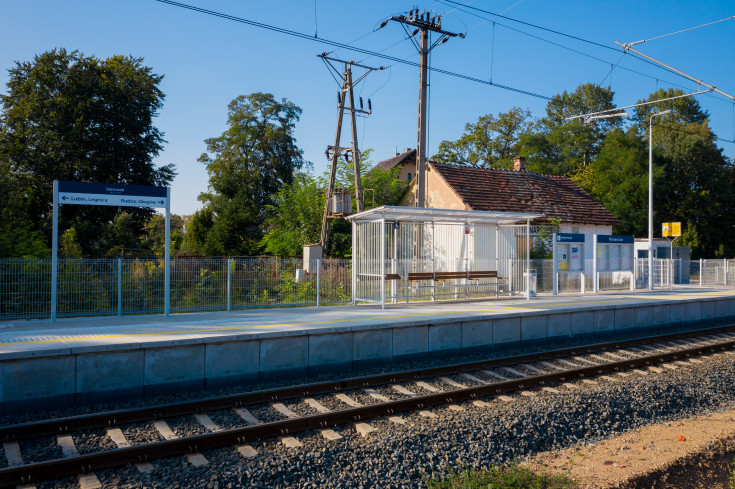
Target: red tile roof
(520, 191)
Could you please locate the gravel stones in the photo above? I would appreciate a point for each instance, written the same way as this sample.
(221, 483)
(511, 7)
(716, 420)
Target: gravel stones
(403, 455)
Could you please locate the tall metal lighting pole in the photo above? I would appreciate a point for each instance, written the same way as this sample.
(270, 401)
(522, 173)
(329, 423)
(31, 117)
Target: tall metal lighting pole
(650, 196)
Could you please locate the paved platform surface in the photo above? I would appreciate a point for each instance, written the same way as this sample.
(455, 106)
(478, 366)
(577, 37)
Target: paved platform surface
(28, 338)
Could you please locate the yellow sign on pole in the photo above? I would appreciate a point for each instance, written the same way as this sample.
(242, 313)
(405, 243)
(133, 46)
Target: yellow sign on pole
(671, 229)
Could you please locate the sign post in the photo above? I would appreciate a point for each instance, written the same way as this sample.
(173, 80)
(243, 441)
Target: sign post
(82, 193)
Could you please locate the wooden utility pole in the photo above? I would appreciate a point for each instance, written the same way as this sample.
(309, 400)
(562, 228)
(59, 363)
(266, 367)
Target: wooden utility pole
(424, 23)
(334, 152)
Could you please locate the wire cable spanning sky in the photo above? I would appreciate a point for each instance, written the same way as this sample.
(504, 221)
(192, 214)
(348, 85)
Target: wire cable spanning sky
(516, 54)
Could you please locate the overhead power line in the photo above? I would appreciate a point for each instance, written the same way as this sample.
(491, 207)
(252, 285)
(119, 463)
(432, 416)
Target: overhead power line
(337, 44)
(559, 33)
(683, 30)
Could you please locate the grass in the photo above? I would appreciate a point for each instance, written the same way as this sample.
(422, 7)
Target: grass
(731, 479)
(505, 477)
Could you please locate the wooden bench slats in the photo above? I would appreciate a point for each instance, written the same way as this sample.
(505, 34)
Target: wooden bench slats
(388, 276)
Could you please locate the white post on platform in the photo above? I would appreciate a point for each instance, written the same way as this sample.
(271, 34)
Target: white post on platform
(555, 266)
(229, 284)
(725, 268)
(701, 272)
(55, 251)
(167, 256)
(318, 280)
(119, 286)
(595, 277)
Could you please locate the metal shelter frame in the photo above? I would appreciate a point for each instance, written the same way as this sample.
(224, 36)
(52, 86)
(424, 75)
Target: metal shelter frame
(390, 242)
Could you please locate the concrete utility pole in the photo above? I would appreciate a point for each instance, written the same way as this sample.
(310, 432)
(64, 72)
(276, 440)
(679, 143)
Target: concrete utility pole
(334, 152)
(423, 22)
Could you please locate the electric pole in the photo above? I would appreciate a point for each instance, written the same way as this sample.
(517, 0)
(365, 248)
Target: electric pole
(333, 153)
(424, 23)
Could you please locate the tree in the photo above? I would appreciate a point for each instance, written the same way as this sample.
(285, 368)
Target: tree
(249, 164)
(696, 178)
(68, 116)
(618, 179)
(491, 142)
(558, 146)
(295, 219)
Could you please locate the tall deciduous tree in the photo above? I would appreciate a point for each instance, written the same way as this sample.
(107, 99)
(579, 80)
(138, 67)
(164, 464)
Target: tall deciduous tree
(695, 186)
(560, 147)
(247, 165)
(490, 142)
(68, 116)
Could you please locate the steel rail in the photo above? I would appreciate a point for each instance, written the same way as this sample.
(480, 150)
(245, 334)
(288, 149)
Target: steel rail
(55, 469)
(133, 415)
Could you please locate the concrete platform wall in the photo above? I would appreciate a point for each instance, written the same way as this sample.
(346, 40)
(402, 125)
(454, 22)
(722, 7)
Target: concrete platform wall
(129, 371)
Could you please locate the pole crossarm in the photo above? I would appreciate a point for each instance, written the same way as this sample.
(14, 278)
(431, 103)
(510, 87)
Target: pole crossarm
(627, 47)
(424, 23)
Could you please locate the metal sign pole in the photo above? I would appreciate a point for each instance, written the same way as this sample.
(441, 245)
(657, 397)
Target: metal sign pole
(54, 251)
(167, 255)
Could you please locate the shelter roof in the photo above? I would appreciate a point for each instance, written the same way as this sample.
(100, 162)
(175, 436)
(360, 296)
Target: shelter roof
(558, 197)
(443, 216)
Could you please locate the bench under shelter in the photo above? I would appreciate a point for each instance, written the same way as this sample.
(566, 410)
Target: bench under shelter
(421, 254)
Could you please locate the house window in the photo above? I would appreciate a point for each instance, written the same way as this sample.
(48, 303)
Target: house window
(409, 177)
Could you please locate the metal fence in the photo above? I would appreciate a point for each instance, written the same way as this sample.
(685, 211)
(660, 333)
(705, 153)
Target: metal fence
(95, 287)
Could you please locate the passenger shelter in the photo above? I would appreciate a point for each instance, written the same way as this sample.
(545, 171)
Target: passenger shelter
(404, 253)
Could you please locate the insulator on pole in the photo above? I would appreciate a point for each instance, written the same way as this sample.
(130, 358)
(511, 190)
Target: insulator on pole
(370, 106)
(360, 103)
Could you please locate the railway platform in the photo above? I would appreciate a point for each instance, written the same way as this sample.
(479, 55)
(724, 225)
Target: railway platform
(109, 358)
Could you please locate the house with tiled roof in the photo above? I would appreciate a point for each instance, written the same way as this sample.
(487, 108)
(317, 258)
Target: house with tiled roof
(405, 161)
(483, 189)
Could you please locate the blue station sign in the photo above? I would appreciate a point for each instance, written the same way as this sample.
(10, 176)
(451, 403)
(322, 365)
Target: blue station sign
(569, 238)
(615, 239)
(82, 193)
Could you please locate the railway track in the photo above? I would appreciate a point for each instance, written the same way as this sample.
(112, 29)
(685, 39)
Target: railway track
(321, 406)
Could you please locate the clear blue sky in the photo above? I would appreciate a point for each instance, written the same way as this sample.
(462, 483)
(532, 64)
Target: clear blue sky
(208, 61)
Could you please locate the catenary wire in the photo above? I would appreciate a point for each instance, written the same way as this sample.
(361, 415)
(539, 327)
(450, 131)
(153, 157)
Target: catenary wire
(713, 96)
(336, 44)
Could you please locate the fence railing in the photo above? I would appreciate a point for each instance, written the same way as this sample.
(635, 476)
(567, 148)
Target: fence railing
(120, 286)
(117, 286)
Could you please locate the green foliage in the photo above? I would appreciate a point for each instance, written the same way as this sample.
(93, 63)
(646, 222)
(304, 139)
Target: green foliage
(618, 179)
(68, 116)
(543, 246)
(247, 165)
(491, 142)
(295, 218)
(695, 183)
(558, 146)
(506, 477)
(69, 245)
(155, 239)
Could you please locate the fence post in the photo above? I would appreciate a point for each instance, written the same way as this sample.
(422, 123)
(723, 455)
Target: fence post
(229, 284)
(318, 280)
(119, 286)
(701, 271)
(725, 269)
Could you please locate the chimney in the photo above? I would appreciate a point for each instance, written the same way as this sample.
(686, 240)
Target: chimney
(519, 163)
